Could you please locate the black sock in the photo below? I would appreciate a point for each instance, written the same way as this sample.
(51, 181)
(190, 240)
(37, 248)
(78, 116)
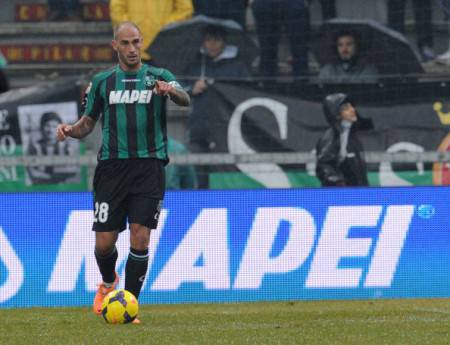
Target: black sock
(107, 265)
(135, 270)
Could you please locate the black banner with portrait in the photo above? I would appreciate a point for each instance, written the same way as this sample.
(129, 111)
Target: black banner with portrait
(28, 121)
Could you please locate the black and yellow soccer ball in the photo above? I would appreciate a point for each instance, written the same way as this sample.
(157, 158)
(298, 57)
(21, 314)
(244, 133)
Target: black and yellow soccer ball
(120, 306)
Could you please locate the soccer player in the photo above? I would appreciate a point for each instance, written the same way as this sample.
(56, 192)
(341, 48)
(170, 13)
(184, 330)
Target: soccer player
(129, 178)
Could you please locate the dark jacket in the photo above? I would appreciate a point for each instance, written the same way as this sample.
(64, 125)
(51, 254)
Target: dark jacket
(346, 73)
(228, 65)
(330, 170)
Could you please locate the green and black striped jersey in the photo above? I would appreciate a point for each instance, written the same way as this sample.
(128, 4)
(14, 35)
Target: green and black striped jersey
(133, 116)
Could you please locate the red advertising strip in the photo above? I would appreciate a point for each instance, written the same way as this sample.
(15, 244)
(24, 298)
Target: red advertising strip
(39, 12)
(28, 53)
(96, 12)
(31, 12)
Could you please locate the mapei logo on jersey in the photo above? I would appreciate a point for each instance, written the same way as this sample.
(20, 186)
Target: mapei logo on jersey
(130, 96)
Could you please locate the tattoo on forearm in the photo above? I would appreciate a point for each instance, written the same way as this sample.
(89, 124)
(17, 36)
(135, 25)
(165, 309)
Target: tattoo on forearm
(82, 128)
(180, 97)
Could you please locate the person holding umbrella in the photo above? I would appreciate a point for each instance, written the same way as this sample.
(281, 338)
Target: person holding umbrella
(363, 51)
(177, 45)
(339, 152)
(216, 60)
(348, 67)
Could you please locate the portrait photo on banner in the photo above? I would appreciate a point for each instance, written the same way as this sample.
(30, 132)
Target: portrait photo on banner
(38, 123)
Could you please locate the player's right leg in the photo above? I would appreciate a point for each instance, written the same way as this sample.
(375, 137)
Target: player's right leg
(110, 191)
(106, 257)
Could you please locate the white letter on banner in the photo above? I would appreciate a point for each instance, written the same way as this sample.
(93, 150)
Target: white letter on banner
(14, 267)
(207, 239)
(77, 248)
(256, 261)
(389, 247)
(387, 175)
(334, 245)
(270, 175)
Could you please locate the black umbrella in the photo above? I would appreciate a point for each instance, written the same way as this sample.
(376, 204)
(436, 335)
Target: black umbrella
(387, 49)
(178, 44)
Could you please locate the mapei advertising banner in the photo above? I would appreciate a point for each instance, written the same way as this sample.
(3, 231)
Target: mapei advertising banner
(229, 246)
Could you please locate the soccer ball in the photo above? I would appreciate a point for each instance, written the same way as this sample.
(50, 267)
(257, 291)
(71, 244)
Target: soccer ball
(119, 306)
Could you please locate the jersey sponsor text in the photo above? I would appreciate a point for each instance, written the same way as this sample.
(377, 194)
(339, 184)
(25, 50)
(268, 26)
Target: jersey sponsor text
(130, 96)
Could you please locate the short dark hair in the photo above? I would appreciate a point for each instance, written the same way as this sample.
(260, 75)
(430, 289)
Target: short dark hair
(214, 31)
(350, 33)
(49, 116)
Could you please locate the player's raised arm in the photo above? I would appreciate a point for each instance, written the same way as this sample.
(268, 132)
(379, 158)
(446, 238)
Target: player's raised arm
(174, 91)
(78, 130)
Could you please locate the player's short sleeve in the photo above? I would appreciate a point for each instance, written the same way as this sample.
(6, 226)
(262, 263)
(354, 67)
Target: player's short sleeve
(92, 103)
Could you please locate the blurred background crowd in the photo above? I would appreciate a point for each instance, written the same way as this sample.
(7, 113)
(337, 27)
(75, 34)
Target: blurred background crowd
(300, 38)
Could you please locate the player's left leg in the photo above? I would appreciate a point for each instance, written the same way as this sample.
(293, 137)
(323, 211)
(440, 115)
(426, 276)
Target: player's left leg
(137, 263)
(143, 208)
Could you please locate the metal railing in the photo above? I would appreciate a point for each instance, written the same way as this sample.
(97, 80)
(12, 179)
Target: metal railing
(233, 159)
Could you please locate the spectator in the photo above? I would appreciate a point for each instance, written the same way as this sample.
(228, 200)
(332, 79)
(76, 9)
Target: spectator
(340, 160)
(422, 13)
(150, 16)
(348, 67)
(230, 9)
(4, 84)
(47, 145)
(216, 60)
(271, 16)
(64, 10)
(179, 176)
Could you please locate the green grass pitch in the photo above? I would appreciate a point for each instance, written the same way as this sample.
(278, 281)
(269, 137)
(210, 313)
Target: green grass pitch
(405, 321)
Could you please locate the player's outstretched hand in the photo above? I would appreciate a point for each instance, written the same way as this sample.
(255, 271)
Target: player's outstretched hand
(63, 131)
(162, 88)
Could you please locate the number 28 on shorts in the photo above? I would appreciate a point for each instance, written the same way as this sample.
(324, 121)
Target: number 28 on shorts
(101, 212)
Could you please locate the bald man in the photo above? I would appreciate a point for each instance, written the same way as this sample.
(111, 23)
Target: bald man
(129, 179)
